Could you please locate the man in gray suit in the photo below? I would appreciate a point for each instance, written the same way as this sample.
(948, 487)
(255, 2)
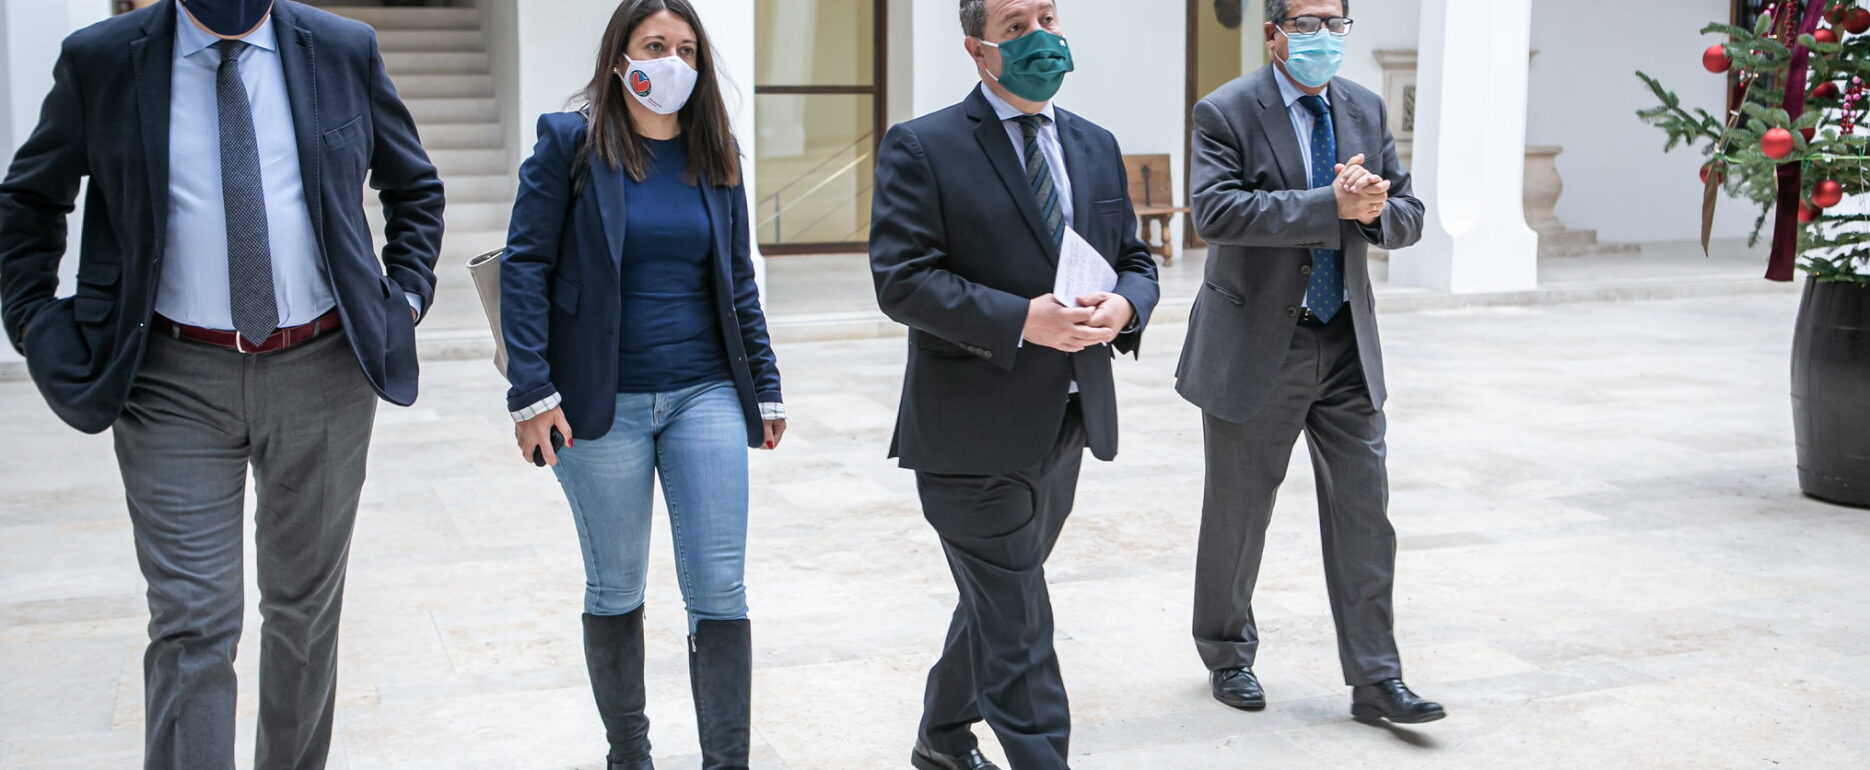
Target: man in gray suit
(1295, 177)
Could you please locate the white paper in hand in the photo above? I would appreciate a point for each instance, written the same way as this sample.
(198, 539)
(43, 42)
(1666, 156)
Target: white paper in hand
(1081, 271)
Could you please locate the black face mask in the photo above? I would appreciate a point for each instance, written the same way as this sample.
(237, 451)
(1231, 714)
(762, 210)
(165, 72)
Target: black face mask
(228, 17)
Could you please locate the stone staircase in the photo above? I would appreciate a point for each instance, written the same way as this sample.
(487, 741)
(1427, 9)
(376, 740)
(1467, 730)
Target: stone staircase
(437, 57)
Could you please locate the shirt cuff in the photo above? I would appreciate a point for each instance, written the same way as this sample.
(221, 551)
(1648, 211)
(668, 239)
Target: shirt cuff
(772, 410)
(544, 405)
(415, 302)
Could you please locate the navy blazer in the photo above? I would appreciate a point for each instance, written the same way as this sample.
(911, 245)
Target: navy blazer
(107, 117)
(958, 251)
(560, 302)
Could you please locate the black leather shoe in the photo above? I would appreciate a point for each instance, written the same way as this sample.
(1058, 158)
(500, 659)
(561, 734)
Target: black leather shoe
(1237, 687)
(925, 758)
(1391, 699)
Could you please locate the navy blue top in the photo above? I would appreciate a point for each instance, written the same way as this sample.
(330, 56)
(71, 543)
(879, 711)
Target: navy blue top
(672, 339)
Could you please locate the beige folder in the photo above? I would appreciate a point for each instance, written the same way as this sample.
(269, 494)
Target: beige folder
(486, 272)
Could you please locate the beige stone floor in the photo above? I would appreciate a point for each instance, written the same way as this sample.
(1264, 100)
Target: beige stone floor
(1604, 563)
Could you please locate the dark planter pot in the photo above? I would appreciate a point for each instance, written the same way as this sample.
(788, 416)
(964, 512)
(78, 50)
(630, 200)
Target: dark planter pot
(1831, 392)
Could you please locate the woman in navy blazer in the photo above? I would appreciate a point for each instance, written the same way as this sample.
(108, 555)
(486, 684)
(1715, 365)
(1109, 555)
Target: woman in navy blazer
(633, 328)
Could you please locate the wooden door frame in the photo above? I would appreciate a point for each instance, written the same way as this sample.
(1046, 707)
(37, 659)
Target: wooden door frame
(878, 91)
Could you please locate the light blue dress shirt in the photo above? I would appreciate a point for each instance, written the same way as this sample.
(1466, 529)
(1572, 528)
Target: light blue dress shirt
(1048, 144)
(193, 289)
(1302, 123)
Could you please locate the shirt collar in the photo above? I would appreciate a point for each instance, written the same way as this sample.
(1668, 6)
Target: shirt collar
(1289, 90)
(1006, 111)
(190, 40)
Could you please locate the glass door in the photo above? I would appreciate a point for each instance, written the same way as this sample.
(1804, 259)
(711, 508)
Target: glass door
(818, 73)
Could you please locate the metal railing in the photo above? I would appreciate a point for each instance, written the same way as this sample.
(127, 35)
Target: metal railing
(777, 198)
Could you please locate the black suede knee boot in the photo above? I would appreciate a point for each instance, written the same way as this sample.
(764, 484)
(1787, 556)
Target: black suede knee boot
(613, 651)
(720, 671)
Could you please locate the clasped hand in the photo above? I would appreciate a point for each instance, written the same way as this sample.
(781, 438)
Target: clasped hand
(1361, 194)
(1103, 316)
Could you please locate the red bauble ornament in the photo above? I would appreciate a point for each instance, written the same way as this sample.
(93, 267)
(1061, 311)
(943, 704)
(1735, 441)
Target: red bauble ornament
(1808, 133)
(1709, 169)
(1825, 36)
(1857, 21)
(1715, 59)
(1827, 193)
(1825, 90)
(1808, 213)
(1776, 143)
(1835, 14)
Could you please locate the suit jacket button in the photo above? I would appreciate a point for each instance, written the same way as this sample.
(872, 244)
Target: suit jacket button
(1305, 270)
(1292, 312)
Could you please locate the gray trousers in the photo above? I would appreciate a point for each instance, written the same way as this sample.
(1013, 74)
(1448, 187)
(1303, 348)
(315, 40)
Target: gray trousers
(998, 662)
(197, 417)
(1320, 392)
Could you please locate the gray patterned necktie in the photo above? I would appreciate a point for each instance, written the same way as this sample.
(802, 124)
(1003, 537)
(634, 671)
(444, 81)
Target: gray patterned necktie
(249, 255)
(1039, 177)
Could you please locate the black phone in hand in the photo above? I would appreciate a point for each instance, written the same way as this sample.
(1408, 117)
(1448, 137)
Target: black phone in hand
(558, 442)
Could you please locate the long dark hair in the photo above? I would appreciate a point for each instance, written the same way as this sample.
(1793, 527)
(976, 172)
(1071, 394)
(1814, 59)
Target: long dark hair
(613, 139)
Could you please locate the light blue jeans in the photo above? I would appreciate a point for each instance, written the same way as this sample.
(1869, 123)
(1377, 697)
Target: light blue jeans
(695, 440)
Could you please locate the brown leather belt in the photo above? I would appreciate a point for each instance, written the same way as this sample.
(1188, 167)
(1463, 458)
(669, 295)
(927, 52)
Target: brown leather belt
(279, 340)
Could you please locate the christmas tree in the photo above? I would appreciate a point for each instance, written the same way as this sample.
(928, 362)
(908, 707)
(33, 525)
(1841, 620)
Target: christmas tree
(1792, 147)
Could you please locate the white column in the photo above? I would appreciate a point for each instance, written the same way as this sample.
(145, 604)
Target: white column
(1470, 150)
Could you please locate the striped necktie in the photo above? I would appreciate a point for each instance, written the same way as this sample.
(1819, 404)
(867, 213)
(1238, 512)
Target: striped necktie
(1039, 178)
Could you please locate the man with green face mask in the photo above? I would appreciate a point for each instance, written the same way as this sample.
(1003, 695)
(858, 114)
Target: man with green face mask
(1006, 384)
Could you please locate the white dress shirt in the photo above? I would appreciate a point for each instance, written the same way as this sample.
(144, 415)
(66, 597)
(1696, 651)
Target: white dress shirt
(1048, 144)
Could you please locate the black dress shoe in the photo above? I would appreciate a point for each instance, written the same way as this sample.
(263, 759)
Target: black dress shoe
(1391, 699)
(1237, 687)
(925, 758)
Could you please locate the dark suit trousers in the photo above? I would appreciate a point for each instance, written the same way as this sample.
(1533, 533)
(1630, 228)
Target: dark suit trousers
(998, 662)
(1320, 392)
(197, 417)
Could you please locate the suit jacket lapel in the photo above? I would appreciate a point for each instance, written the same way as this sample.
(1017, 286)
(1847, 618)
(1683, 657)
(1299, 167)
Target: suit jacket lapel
(991, 135)
(1276, 125)
(298, 56)
(152, 65)
(605, 182)
(1347, 124)
(1077, 167)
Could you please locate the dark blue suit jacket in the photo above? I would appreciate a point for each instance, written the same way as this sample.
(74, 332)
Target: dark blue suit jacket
(107, 117)
(958, 250)
(560, 303)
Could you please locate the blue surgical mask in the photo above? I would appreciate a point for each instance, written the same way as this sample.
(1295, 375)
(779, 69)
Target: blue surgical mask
(1313, 60)
(228, 17)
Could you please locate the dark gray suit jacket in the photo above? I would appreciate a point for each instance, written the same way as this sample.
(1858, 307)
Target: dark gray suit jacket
(1254, 205)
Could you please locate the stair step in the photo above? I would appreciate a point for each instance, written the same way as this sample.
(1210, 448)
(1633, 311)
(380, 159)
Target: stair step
(437, 63)
(412, 18)
(414, 40)
(439, 86)
(461, 136)
(453, 163)
(479, 188)
(429, 112)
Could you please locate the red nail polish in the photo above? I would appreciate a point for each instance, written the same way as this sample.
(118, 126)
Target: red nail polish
(769, 445)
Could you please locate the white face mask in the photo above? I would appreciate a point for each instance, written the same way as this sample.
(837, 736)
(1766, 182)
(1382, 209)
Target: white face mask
(663, 85)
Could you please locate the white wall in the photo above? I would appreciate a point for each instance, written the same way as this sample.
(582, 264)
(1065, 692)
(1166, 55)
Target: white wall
(1381, 25)
(1585, 96)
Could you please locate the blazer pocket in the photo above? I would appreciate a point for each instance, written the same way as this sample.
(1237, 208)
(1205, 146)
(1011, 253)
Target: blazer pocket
(345, 134)
(1110, 207)
(1225, 294)
(565, 296)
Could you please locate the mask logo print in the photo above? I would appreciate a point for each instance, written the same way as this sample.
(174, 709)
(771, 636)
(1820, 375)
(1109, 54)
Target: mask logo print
(639, 83)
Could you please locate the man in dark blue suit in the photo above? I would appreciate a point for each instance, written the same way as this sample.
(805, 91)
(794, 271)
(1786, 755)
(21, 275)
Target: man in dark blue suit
(1006, 385)
(230, 311)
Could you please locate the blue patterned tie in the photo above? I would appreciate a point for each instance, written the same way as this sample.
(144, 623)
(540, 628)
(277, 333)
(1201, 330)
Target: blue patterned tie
(1039, 176)
(249, 254)
(1324, 295)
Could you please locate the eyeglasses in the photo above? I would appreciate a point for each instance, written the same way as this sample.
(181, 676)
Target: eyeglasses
(1310, 25)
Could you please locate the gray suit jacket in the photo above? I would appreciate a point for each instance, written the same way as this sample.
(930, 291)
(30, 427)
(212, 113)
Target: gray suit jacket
(1254, 205)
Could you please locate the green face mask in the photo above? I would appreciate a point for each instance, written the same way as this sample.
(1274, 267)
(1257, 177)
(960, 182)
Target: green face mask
(1033, 66)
